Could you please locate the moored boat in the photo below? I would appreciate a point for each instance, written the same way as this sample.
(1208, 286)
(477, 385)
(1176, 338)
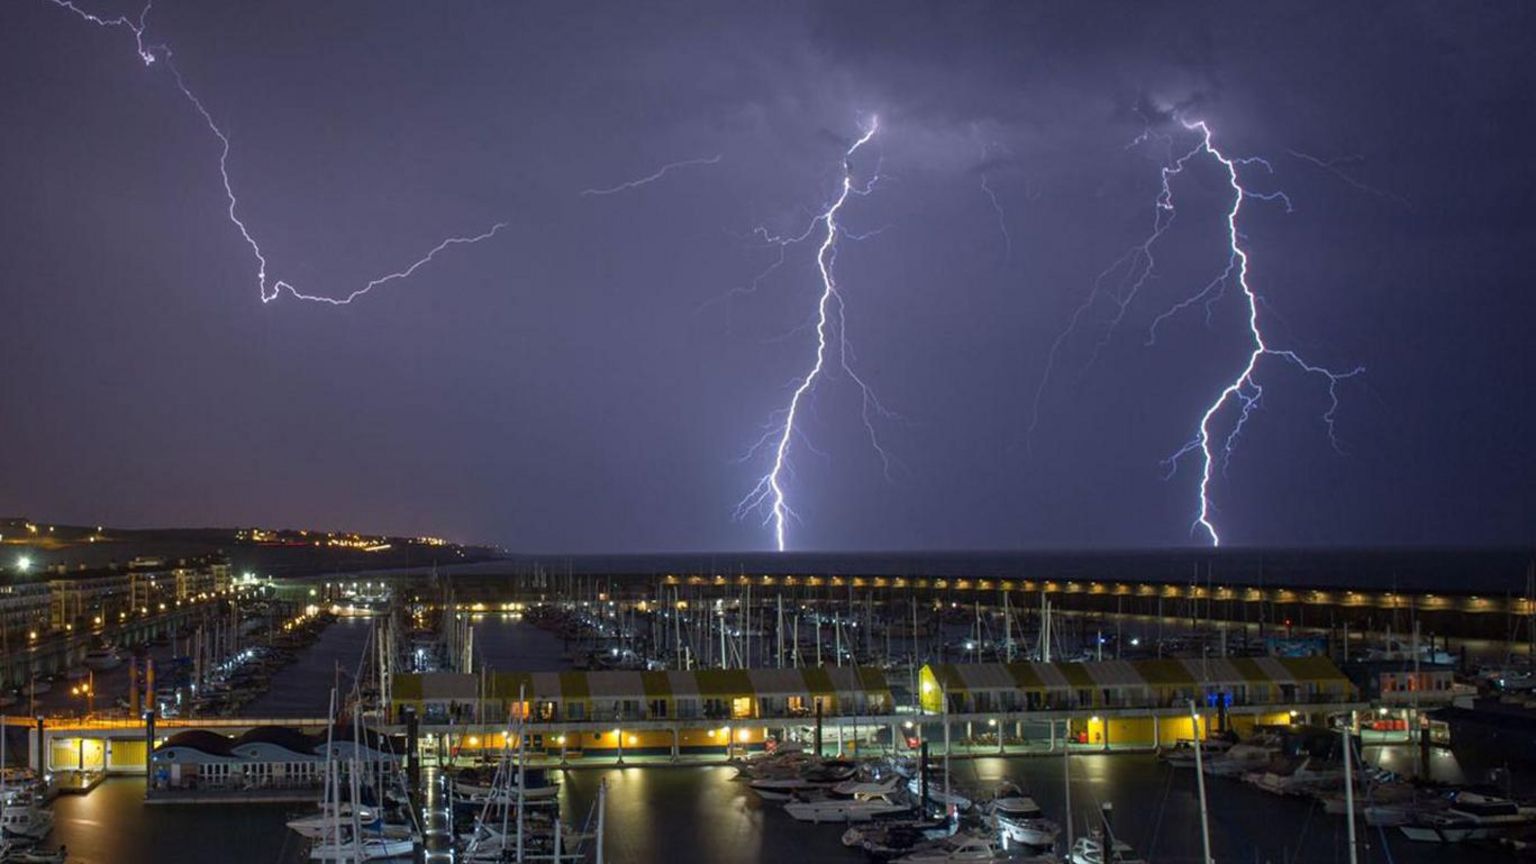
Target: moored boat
(1020, 819)
(1469, 817)
(22, 817)
(862, 807)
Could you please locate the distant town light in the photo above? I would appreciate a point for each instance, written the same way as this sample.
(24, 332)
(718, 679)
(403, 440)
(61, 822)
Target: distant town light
(23, 564)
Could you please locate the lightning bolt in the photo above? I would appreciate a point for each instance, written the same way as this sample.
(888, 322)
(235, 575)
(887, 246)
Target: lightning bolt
(1332, 167)
(1123, 280)
(997, 207)
(1244, 391)
(652, 177)
(150, 55)
(769, 494)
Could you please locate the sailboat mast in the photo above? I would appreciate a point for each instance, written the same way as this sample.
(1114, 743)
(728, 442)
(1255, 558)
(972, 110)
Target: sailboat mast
(1066, 774)
(1205, 817)
(1349, 797)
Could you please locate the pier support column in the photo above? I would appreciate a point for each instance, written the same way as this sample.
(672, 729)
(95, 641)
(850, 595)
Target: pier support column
(1052, 746)
(839, 737)
(563, 762)
(675, 743)
(149, 749)
(1157, 735)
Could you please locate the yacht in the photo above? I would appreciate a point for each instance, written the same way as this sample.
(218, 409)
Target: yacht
(1244, 756)
(1470, 817)
(1302, 777)
(21, 817)
(1020, 819)
(809, 779)
(862, 807)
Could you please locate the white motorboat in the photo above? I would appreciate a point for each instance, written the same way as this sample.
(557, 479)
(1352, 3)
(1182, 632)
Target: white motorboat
(1020, 819)
(862, 807)
(1470, 817)
(22, 817)
(1244, 756)
(1302, 777)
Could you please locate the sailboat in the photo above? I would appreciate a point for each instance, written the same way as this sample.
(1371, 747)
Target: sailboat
(350, 846)
(20, 815)
(1020, 819)
(521, 835)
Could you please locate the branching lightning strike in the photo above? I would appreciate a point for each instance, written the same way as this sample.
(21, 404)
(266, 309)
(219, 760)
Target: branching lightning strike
(151, 54)
(1244, 391)
(652, 177)
(769, 494)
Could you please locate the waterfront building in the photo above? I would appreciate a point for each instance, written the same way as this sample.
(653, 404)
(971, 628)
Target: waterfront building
(701, 694)
(263, 758)
(981, 688)
(1130, 703)
(70, 604)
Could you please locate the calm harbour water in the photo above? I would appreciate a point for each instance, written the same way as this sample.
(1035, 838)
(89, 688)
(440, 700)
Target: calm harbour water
(702, 814)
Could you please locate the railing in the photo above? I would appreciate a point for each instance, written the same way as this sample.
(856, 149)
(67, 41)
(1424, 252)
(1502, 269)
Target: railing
(108, 723)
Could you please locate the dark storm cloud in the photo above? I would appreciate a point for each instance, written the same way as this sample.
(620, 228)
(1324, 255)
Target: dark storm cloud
(588, 380)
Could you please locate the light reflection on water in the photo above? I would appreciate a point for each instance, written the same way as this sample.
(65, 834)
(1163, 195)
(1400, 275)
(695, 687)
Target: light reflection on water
(684, 815)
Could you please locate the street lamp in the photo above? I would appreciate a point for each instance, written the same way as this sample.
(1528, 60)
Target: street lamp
(88, 690)
(23, 563)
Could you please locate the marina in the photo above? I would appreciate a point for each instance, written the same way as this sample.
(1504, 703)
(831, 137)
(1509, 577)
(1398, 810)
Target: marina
(482, 714)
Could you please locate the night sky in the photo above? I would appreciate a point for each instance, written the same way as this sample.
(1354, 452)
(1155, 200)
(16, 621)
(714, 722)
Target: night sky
(589, 378)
